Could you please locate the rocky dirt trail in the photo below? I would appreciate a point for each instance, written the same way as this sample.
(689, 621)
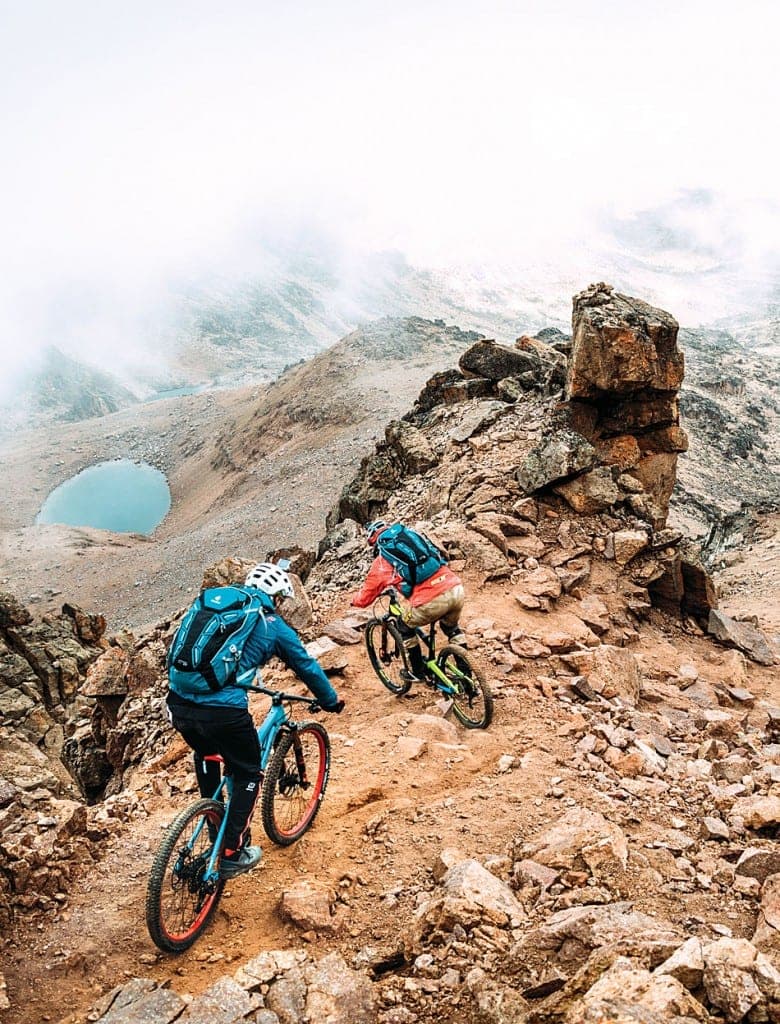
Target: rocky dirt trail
(390, 810)
(383, 820)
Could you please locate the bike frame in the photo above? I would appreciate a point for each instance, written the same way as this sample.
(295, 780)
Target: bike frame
(439, 678)
(277, 718)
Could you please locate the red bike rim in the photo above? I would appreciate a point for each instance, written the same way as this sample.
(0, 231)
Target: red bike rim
(316, 793)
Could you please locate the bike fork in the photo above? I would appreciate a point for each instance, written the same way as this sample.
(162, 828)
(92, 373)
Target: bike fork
(299, 760)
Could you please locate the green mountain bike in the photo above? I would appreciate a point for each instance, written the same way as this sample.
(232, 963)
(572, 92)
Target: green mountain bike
(449, 671)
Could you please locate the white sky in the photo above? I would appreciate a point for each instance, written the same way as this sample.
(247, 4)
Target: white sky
(141, 139)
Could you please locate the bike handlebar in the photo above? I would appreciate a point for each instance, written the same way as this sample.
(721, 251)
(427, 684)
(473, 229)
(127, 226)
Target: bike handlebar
(279, 696)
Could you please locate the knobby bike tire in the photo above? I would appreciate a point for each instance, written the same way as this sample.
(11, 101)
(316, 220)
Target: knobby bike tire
(289, 806)
(178, 906)
(384, 635)
(472, 700)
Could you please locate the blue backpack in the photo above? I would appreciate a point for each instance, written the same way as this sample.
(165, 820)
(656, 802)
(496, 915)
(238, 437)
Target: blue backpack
(205, 652)
(414, 557)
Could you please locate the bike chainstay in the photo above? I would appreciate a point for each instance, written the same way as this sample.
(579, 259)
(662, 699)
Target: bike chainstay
(463, 682)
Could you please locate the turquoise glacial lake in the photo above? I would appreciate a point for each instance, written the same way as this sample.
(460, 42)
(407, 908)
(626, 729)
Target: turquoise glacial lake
(121, 495)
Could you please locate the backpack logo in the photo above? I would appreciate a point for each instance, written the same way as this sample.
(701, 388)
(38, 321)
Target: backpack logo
(205, 652)
(414, 557)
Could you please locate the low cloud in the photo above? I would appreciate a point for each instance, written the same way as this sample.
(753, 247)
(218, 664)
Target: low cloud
(154, 150)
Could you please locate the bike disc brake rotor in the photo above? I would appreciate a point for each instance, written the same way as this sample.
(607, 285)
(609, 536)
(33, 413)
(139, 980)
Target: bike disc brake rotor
(290, 781)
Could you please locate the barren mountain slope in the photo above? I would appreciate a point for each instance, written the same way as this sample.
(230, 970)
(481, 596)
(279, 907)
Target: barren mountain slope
(249, 470)
(730, 406)
(620, 811)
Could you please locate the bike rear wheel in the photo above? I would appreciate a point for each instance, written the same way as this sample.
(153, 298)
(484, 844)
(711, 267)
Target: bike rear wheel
(295, 782)
(179, 902)
(472, 701)
(387, 655)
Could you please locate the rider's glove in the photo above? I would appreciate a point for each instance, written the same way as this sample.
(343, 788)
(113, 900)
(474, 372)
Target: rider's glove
(335, 709)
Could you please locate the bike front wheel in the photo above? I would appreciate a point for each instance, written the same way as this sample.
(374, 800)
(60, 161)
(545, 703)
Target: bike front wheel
(179, 900)
(472, 700)
(295, 782)
(387, 655)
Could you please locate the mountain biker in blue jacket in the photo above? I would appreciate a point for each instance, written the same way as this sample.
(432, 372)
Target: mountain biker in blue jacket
(219, 721)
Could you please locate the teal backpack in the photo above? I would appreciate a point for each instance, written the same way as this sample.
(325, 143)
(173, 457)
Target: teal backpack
(205, 652)
(414, 557)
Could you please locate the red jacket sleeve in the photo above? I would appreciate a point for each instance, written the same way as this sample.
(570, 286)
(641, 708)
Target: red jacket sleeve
(380, 575)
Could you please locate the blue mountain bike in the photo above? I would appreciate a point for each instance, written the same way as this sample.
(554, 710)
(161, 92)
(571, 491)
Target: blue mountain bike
(184, 886)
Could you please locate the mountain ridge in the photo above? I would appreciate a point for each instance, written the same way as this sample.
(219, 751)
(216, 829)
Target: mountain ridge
(610, 821)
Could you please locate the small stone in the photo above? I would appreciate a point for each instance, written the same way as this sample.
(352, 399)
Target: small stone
(714, 828)
(628, 544)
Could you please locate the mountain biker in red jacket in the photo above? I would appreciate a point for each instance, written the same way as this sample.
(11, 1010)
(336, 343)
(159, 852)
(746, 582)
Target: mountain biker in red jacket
(440, 599)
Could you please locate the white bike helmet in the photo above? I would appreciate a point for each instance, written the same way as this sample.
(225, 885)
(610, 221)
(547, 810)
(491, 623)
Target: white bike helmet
(271, 580)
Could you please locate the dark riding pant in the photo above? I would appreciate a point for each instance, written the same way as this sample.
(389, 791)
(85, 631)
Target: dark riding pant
(230, 732)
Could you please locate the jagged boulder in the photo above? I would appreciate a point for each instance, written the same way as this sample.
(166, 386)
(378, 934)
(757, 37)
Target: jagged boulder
(89, 627)
(738, 979)
(480, 553)
(476, 418)
(414, 451)
(627, 993)
(553, 360)
(559, 455)
(450, 387)
(767, 933)
(575, 932)
(591, 492)
(625, 366)
(467, 897)
(486, 359)
(621, 345)
(611, 671)
(308, 905)
(301, 559)
(276, 987)
(13, 612)
(364, 496)
(742, 635)
(338, 995)
(343, 538)
(106, 677)
(227, 572)
(582, 839)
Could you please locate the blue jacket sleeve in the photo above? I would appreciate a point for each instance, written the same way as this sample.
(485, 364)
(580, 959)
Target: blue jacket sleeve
(289, 648)
(258, 649)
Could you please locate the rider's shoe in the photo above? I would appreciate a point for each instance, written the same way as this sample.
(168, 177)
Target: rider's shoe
(242, 860)
(408, 677)
(458, 638)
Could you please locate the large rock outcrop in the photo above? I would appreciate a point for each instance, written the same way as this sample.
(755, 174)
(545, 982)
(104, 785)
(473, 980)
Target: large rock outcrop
(513, 425)
(622, 381)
